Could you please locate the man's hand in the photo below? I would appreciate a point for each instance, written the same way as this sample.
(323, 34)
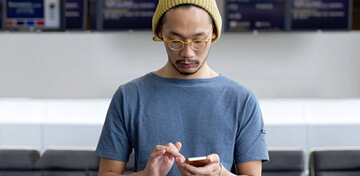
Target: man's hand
(162, 159)
(211, 169)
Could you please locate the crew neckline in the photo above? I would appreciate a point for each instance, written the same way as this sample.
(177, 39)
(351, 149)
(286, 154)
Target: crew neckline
(177, 80)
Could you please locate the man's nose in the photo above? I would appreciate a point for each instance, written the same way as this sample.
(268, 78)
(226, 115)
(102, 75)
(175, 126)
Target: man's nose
(187, 51)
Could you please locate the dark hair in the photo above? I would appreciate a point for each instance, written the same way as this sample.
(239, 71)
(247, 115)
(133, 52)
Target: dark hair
(162, 19)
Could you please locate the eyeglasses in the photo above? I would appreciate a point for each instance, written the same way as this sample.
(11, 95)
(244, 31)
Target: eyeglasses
(196, 45)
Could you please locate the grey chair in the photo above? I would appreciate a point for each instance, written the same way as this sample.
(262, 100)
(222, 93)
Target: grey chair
(344, 162)
(284, 163)
(68, 163)
(130, 165)
(19, 162)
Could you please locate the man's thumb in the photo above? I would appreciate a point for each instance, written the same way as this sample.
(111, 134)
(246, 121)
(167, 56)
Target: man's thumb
(178, 145)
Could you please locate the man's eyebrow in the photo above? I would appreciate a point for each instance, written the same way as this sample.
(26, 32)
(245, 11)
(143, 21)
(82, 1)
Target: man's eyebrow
(199, 34)
(175, 33)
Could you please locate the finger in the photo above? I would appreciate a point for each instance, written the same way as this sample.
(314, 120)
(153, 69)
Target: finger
(170, 149)
(179, 160)
(180, 163)
(178, 145)
(170, 144)
(173, 150)
(173, 153)
(166, 147)
(213, 158)
(158, 153)
(209, 168)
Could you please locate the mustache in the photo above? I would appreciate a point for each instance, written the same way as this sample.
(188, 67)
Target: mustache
(187, 61)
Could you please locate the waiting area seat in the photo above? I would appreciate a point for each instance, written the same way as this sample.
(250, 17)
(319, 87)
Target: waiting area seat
(68, 163)
(284, 163)
(19, 162)
(26, 162)
(330, 162)
(130, 165)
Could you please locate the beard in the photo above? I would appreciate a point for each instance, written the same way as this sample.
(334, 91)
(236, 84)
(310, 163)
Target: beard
(196, 62)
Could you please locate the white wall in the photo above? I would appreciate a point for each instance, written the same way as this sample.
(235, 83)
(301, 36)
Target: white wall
(93, 65)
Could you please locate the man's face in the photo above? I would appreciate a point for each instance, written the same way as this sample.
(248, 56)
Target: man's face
(187, 24)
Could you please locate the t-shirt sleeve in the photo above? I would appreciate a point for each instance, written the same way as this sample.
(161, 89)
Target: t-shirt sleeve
(114, 142)
(250, 142)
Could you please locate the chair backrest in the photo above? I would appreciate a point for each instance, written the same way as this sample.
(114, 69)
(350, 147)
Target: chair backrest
(284, 163)
(19, 162)
(343, 162)
(68, 163)
(130, 165)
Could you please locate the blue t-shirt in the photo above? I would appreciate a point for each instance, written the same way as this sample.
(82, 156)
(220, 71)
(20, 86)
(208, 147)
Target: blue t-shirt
(215, 115)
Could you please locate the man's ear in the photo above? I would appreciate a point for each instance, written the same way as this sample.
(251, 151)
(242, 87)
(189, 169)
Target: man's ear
(214, 34)
(159, 33)
(159, 36)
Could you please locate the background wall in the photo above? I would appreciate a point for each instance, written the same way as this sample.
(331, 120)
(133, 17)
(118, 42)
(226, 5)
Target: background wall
(93, 65)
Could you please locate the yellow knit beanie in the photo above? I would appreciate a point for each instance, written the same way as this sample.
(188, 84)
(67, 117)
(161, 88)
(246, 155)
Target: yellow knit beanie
(208, 5)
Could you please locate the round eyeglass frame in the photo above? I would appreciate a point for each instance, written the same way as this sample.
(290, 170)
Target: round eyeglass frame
(186, 43)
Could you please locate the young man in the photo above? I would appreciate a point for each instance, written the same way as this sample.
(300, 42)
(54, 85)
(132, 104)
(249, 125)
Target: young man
(184, 109)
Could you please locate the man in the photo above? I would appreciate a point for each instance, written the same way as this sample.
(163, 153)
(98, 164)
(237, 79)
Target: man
(184, 109)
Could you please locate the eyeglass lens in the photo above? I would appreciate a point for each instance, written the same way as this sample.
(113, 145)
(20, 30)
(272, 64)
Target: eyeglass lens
(196, 45)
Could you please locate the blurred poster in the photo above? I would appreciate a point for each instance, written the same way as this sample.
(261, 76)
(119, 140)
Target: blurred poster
(127, 14)
(75, 11)
(33, 14)
(356, 15)
(92, 17)
(1, 17)
(320, 14)
(245, 15)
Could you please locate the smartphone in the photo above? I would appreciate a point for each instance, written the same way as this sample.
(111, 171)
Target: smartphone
(197, 161)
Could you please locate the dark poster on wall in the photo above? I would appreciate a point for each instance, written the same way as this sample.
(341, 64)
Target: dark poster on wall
(91, 15)
(75, 11)
(34, 14)
(25, 9)
(245, 15)
(356, 15)
(1, 17)
(320, 14)
(127, 14)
